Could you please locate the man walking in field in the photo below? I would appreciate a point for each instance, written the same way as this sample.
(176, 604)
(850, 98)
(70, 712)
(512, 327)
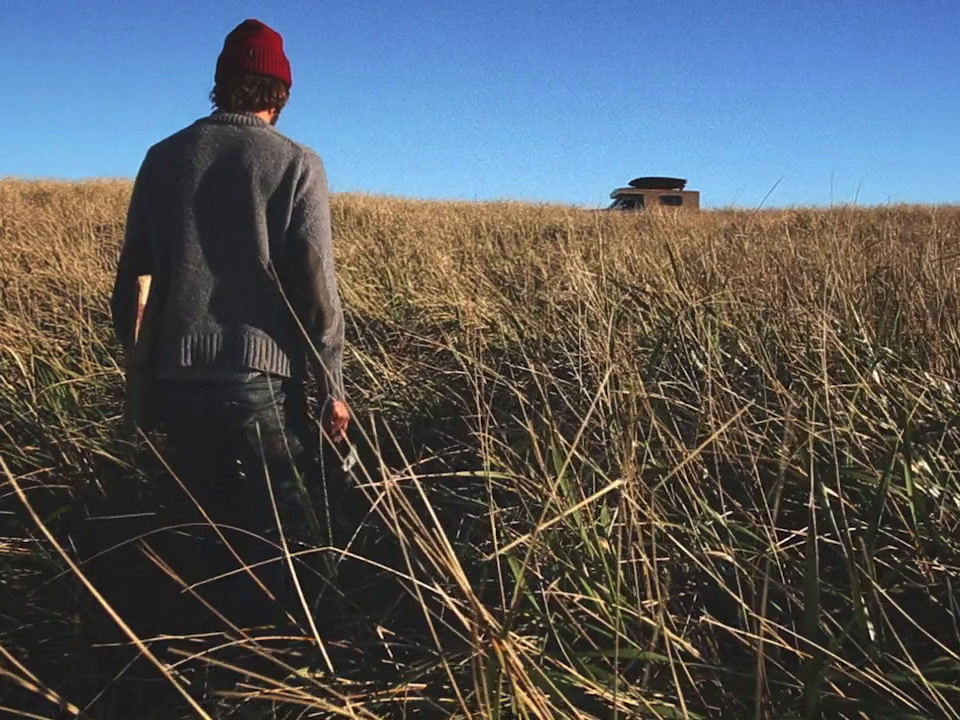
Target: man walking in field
(231, 221)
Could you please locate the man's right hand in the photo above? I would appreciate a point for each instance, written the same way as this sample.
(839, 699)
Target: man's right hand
(337, 420)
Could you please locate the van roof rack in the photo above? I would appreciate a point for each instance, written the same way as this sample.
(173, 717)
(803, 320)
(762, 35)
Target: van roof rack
(658, 183)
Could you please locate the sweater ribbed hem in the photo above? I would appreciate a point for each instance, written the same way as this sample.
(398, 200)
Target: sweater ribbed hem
(247, 351)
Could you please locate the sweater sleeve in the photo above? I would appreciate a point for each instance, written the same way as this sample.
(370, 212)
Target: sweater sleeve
(135, 260)
(311, 276)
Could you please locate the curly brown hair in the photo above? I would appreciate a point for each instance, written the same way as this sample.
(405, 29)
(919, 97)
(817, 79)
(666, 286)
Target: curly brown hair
(250, 93)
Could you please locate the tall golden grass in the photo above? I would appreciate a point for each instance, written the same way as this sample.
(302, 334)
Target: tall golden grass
(661, 465)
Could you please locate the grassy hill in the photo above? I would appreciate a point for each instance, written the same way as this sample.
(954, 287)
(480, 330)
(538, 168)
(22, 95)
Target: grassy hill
(659, 465)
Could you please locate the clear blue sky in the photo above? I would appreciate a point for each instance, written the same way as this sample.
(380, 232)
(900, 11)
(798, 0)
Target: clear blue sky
(546, 101)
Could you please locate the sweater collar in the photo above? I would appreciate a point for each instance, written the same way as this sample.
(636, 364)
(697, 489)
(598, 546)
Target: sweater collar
(235, 118)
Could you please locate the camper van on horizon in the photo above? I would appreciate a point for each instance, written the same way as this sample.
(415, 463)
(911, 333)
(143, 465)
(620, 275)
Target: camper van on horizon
(647, 192)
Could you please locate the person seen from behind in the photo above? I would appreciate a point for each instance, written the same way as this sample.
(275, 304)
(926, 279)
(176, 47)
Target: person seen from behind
(231, 220)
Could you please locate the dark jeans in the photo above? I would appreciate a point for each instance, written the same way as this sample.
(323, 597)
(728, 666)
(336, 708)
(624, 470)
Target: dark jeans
(231, 443)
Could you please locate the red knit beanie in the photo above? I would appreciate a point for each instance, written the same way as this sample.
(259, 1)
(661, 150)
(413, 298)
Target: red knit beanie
(253, 47)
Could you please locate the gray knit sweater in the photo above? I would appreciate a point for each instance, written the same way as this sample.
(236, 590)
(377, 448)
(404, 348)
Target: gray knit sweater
(232, 221)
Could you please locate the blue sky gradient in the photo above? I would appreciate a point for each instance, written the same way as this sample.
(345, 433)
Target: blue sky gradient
(822, 102)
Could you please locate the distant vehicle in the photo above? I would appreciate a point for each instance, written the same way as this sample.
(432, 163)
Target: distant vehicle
(644, 192)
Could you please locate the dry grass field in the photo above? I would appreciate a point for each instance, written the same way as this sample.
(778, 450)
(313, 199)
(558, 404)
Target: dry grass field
(663, 466)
